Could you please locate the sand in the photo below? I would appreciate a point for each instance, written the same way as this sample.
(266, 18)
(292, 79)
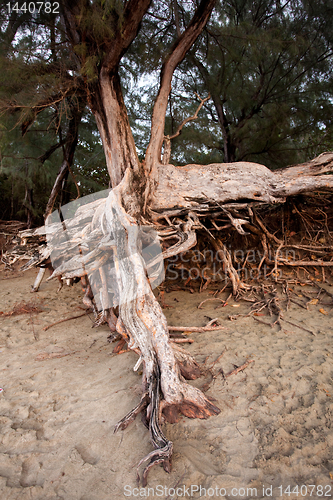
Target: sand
(64, 391)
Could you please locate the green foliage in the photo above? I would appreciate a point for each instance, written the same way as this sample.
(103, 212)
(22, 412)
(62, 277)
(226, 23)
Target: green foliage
(39, 91)
(22, 168)
(267, 66)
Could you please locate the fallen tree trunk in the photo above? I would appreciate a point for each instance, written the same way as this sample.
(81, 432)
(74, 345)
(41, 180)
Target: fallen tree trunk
(196, 187)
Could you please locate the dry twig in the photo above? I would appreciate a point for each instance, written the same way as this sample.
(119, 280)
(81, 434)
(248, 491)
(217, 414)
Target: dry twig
(63, 320)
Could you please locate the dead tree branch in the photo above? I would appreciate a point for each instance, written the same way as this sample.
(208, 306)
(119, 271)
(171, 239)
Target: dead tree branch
(168, 138)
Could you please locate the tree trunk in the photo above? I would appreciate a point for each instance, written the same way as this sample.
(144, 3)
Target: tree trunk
(228, 148)
(196, 187)
(68, 153)
(141, 315)
(175, 56)
(108, 106)
(148, 191)
(141, 321)
(28, 199)
(28, 204)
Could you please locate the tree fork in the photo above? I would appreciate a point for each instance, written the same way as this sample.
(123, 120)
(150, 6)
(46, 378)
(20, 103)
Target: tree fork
(111, 117)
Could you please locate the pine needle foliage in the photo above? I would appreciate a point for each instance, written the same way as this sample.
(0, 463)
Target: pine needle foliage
(266, 65)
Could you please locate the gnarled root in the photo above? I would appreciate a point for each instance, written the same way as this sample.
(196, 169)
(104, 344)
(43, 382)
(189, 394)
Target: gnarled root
(150, 407)
(225, 257)
(188, 367)
(131, 416)
(142, 324)
(163, 447)
(194, 405)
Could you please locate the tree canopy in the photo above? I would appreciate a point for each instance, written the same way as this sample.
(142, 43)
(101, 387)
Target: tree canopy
(266, 66)
(268, 69)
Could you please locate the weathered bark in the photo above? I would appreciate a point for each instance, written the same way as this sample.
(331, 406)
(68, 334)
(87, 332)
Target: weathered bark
(113, 125)
(198, 187)
(139, 312)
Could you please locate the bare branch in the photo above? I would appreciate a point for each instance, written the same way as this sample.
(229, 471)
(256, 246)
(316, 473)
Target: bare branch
(33, 111)
(168, 138)
(190, 118)
(45, 156)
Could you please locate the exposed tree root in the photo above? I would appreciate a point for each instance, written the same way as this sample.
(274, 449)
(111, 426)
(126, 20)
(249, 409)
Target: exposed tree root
(131, 416)
(238, 244)
(208, 328)
(189, 368)
(152, 407)
(63, 320)
(163, 447)
(179, 340)
(143, 325)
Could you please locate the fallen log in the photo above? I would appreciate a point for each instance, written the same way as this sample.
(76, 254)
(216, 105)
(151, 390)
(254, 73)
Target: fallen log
(198, 187)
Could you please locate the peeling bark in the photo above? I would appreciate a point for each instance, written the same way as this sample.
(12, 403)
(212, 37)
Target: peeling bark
(197, 186)
(142, 316)
(113, 125)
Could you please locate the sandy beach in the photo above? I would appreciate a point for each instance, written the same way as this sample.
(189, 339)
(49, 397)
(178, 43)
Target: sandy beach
(64, 391)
